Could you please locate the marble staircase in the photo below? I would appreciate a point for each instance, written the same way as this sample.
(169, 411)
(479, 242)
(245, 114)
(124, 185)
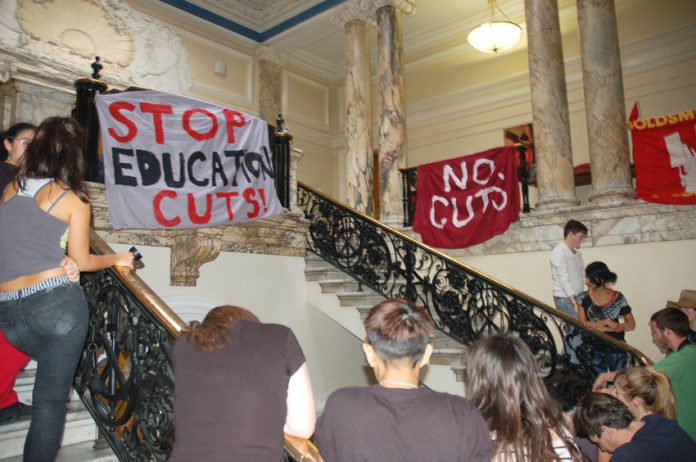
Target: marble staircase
(340, 296)
(78, 438)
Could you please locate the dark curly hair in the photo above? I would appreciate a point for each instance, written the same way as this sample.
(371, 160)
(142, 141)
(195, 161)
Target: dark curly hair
(56, 153)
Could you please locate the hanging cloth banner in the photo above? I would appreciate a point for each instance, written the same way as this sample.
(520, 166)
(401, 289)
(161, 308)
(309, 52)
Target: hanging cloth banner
(664, 155)
(172, 162)
(465, 201)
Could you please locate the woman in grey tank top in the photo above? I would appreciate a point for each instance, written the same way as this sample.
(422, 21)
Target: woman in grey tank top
(42, 313)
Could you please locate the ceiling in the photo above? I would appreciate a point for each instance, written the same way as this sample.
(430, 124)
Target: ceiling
(302, 32)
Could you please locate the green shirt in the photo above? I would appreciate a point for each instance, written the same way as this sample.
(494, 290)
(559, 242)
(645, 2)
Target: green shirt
(680, 366)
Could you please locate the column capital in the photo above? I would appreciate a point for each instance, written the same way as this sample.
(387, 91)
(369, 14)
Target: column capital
(364, 10)
(264, 53)
(354, 10)
(407, 7)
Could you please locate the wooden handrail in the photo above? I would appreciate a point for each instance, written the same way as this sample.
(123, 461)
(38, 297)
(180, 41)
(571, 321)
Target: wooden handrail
(302, 449)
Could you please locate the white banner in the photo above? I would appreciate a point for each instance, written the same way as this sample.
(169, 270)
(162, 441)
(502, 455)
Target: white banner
(172, 162)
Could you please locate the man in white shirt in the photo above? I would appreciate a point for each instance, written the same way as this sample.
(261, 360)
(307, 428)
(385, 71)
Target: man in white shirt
(567, 272)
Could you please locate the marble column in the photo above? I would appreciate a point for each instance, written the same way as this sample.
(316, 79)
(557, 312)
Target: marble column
(392, 107)
(270, 83)
(602, 83)
(552, 146)
(353, 18)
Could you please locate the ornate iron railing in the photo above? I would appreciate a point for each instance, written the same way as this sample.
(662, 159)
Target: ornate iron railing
(125, 376)
(465, 303)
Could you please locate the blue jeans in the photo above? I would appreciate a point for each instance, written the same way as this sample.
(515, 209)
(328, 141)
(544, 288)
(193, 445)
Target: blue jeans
(50, 325)
(603, 361)
(572, 339)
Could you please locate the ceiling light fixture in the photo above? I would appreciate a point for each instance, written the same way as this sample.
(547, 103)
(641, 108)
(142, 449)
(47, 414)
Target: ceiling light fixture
(494, 36)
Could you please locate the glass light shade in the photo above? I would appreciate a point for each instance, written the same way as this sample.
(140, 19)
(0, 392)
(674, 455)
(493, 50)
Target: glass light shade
(493, 37)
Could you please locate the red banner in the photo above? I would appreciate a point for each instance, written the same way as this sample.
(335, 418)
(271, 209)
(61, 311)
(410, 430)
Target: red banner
(468, 200)
(664, 154)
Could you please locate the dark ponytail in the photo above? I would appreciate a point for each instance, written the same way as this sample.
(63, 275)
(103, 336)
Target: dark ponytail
(56, 153)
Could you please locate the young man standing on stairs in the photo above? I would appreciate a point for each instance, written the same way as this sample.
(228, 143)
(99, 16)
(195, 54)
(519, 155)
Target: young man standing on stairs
(567, 273)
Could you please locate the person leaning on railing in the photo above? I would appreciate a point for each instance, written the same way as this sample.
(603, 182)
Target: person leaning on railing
(43, 313)
(238, 385)
(396, 420)
(602, 308)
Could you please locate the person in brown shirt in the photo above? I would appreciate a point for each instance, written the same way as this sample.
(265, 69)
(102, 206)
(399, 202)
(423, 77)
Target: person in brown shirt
(239, 385)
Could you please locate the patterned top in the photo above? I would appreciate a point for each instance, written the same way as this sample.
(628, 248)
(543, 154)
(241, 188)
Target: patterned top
(617, 307)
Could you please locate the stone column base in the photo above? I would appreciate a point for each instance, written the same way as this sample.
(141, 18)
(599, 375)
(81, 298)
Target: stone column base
(616, 196)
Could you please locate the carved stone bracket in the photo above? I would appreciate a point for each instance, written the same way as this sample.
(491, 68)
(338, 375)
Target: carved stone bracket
(191, 249)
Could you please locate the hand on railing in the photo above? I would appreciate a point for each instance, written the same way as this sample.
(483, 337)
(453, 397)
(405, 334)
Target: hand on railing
(137, 257)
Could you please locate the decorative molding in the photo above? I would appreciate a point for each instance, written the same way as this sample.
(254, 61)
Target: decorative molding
(264, 53)
(665, 49)
(218, 94)
(290, 115)
(320, 67)
(66, 34)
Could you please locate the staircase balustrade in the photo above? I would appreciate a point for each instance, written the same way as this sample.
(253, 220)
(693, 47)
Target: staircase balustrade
(125, 376)
(465, 303)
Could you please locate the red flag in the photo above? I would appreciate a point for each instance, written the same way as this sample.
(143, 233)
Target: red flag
(664, 154)
(635, 112)
(467, 200)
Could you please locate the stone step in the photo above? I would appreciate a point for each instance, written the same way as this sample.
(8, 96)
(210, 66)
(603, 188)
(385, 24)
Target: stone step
(81, 452)
(24, 386)
(79, 428)
(333, 286)
(363, 310)
(448, 356)
(459, 372)
(323, 273)
(442, 340)
(366, 297)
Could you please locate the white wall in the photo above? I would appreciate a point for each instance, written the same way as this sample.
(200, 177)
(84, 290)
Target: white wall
(274, 288)
(649, 275)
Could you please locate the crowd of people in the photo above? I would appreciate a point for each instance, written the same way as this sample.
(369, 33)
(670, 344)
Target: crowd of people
(261, 388)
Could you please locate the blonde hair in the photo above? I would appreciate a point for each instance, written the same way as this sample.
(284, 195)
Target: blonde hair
(654, 388)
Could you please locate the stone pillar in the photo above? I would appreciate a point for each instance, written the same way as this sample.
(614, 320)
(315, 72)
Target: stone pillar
(392, 107)
(605, 109)
(358, 101)
(270, 83)
(553, 152)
